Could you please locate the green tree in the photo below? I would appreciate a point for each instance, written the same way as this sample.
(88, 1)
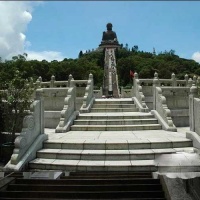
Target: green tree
(15, 100)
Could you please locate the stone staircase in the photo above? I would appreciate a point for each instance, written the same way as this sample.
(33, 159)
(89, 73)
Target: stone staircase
(114, 136)
(118, 115)
(93, 185)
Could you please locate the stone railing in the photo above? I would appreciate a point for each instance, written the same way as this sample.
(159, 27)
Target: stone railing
(69, 113)
(178, 102)
(194, 113)
(149, 84)
(89, 96)
(31, 137)
(162, 112)
(80, 85)
(169, 82)
(194, 110)
(126, 93)
(53, 104)
(53, 83)
(98, 93)
(139, 97)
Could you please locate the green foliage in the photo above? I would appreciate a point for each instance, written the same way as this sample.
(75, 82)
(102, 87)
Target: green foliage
(15, 102)
(144, 63)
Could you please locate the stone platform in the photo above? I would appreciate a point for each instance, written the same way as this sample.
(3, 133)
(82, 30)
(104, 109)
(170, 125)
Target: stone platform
(115, 151)
(114, 136)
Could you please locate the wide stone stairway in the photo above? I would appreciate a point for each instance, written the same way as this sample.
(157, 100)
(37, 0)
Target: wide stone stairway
(84, 185)
(114, 136)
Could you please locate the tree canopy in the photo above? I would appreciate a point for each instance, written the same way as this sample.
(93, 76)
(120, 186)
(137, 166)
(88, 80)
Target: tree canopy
(144, 63)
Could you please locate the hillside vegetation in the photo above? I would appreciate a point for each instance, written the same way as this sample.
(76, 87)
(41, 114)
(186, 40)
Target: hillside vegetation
(144, 63)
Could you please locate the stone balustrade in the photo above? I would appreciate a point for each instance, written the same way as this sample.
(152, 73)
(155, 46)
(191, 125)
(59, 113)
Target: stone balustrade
(138, 95)
(178, 102)
(127, 93)
(149, 84)
(80, 85)
(194, 116)
(89, 95)
(53, 83)
(98, 93)
(69, 113)
(167, 82)
(31, 137)
(162, 112)
(194, 113)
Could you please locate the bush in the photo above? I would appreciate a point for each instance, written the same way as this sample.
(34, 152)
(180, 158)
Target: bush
(15, 103)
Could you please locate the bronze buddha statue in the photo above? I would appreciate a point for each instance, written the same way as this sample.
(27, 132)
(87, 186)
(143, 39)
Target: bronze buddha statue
(109, 36)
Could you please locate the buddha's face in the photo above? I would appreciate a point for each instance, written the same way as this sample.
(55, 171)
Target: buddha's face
(109, 26)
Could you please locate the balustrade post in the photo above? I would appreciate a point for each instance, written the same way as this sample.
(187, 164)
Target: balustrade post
(72, 83)
(101, 92)
(198, 81)
(134, 83)
(40, 96)
(186, 80)
(190, 81)
(194, 80)
(38, 82)
(193, 94)
(173, 78)
(69, 79)
(52, 81)
(156, 83)
(122, 92)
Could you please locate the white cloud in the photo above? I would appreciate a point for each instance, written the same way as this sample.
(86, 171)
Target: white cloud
(196, 56)
(45, 55)
(14, 18)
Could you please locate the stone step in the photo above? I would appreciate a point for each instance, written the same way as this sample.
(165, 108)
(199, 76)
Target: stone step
(111, 101)
(114, 106)
(97, 181)
(115, 127)
(80, 145)
(77, 188)
(70, 154)
(104, 110)
(89, 195)
(116, 122)
(92, 165)
(135, 115)
(107, 175)
(49, 198)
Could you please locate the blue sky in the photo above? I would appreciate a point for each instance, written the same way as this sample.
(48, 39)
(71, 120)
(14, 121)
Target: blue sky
(66, 27)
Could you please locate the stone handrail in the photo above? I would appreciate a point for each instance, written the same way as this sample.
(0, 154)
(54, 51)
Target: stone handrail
(194, 114)
(55, 84)
(31, 137)
(139, 97)
(52, 83)
(126, 93)
(98, 93)
(69, 113)
(161, 112)
(169, 82)
(194, 110)
(89, 95)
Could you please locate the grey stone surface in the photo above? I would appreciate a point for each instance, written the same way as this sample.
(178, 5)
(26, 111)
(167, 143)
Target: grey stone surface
(176, 189)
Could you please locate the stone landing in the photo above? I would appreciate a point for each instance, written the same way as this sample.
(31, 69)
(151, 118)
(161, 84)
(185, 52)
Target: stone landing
(110, 150)
(134, 143)
(114, 136)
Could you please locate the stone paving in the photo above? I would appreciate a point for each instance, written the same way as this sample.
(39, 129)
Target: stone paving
(85, 144)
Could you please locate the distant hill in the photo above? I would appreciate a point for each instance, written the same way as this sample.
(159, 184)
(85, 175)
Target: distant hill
(144, 63)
